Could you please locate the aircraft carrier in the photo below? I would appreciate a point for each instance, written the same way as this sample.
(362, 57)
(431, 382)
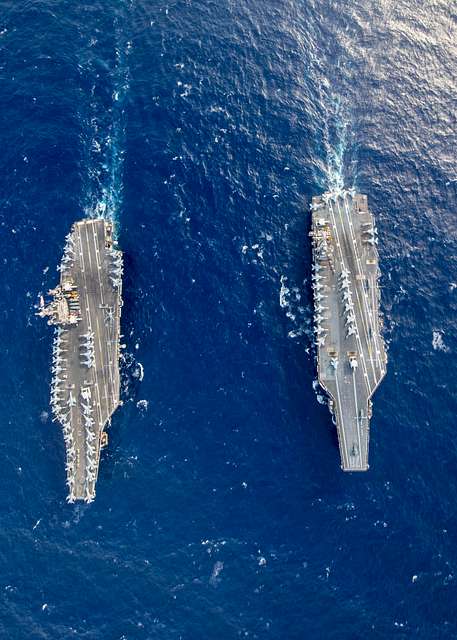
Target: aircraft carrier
(351, 356)
(85, 309)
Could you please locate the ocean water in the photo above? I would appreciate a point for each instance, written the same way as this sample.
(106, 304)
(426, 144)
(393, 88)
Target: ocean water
(203, 128)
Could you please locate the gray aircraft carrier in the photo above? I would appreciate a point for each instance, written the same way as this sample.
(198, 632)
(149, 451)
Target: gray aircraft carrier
(351, 357)
(85, 309)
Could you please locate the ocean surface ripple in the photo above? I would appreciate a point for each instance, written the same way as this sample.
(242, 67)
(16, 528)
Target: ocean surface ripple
(203, 128)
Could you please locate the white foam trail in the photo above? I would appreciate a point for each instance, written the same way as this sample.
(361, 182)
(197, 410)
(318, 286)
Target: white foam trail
(335, 144)
(106, 153)
(332, 119)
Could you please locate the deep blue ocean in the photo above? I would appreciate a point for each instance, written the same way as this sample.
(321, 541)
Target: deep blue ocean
(203, 128)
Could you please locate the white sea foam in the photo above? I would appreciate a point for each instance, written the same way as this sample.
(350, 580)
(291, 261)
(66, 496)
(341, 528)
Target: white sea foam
(438, 342)
(139, 372)
(289, 300)
(255, 248)
(143, 405)
(335, 144)
(334, 116)
(187, 90)
(217, 569)
(213, 545)
(283, 293)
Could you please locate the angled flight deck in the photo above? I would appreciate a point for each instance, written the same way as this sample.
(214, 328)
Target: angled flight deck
(351, 357)
(85, 309)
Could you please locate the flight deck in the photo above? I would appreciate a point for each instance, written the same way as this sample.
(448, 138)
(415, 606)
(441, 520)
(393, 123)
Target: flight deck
(351, 356)
(85, 309)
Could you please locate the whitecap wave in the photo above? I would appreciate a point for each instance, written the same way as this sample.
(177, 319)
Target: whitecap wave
(290, 299)
(438, 342)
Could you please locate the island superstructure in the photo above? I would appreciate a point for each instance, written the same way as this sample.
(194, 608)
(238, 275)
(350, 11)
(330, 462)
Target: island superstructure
(351, 356)
(85, 309)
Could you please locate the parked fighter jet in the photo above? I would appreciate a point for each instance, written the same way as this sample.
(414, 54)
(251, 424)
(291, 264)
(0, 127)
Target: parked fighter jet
(55, 391)
(344, 284)
(351, 331)
(344, 274)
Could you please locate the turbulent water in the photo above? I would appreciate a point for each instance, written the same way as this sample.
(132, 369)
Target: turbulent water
(204, 127)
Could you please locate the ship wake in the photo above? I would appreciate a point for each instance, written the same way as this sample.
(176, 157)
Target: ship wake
(106, 130)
